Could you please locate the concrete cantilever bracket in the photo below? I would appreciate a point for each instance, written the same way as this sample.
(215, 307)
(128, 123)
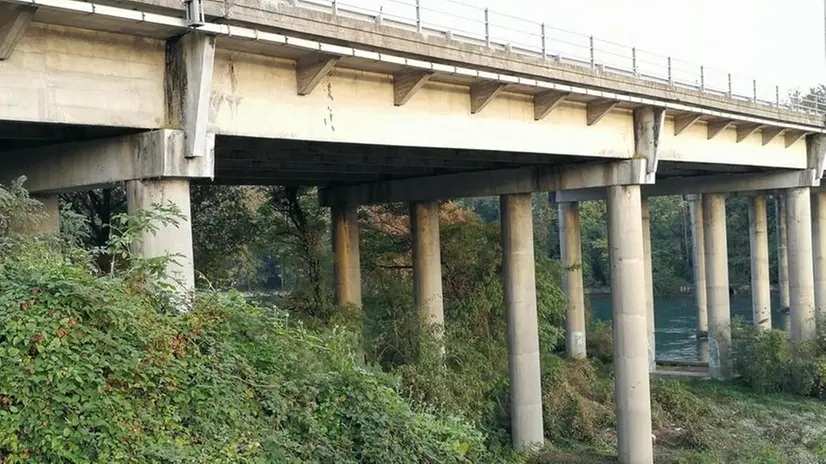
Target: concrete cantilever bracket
(14, 20)
(310, 70)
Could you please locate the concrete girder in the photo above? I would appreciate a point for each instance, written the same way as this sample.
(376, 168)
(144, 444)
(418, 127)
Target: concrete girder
(598, 109)
(406, 83)
(190, 61)
(103, 162)
(545, 102)
(745, 130)
(495, 182)
(482, 93)
(718, 126)
(14, 20)
(311, 69)
(793, 136)
(771, 133)
(685, 121)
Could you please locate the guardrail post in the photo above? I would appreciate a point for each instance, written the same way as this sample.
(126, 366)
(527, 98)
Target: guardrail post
(729, 85)
(670, 77)
(634, 61)
(418, 15)
(754, 89)
(702, 79)
(544, 43)
(335, 7)
(593, 61)
(777, 95)
(487, 28)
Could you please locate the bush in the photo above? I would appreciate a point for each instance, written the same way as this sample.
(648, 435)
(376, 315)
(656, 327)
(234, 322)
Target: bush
(103, 367)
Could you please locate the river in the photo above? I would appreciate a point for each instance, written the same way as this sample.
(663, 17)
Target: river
(676, 321)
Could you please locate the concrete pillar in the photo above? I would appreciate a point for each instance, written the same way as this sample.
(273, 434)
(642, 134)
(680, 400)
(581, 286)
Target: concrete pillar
(782, 253)
(519, 281)
(649, 285)
(570, 245)
(632, 394)
(49, 223)
(819, 245)
(801, 267)
(427, 264)
(760, 289)
(717, 289)
(346, 260)
(699, 262)
(175, 240)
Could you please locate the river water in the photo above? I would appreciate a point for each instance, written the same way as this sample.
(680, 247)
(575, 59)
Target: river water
(676, 321)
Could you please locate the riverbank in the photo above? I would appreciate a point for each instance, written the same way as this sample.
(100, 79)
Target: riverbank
(741, 427)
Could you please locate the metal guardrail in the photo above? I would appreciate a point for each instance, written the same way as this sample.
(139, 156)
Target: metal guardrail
(482, 26)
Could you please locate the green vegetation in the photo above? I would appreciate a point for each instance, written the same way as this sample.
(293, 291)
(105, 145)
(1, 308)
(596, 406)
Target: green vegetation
(100, 364)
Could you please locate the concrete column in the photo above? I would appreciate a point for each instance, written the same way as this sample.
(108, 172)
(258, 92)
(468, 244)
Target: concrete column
(570, 245)
(699, 262)
(50, 222)
(649, 285)
(519, 281)
(819, 245)
(758, 237)
(632, 394)
(175, 240)
(427, 264)
(782, 253)
(346, 260)
(801, 267)
(717, 289)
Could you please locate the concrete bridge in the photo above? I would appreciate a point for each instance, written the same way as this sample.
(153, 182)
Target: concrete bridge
(156, 94)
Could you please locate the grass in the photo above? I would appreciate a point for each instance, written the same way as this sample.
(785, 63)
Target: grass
(741, 427)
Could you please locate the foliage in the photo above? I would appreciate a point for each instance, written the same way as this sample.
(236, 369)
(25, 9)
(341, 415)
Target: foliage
(224, 227)
(769, 362)
(18, 213)
(98, 369)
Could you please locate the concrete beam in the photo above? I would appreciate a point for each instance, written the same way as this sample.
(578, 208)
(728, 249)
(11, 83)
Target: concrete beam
(745, 130)
(598, 109)
(105, 162)
(685, 121)
(771, 133)
(310, 70)
(487, 183)
(792, 137)
(545, 102)
(716, 127)
(406, 83)
(719, 183)
(482, 93)
(14, 20)
(188, 78)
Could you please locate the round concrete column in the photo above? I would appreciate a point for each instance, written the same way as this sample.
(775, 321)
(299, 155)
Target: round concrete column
(649, 285)
(801, 267)
(346, 259)
(758, 238)
(782, 252)
(632, 394)
(50, 222)
(571, 249)
(717, 289)
(695, 205)
(519, 281)
(427, 264)
(819, 245)
(172, 239)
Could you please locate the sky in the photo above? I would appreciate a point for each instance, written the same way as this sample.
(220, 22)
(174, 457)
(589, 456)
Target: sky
(777, 43)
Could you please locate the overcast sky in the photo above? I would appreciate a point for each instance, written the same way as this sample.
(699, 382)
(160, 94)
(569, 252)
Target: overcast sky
(776, 42)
